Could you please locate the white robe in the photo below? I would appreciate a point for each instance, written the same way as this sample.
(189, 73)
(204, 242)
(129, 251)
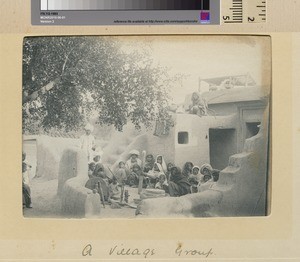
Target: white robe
(86, 144)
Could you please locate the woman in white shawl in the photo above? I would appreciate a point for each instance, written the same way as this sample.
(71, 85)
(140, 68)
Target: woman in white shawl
(160, 160)
(156, 171)
(159, 168)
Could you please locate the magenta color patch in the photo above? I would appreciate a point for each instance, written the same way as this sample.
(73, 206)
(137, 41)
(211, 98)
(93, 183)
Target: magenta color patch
(204, 16)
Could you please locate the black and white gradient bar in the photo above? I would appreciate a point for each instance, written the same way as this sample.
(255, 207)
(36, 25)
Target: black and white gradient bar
(60, 5)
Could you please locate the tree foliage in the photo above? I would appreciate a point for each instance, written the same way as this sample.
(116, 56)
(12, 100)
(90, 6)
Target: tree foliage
(68, 79)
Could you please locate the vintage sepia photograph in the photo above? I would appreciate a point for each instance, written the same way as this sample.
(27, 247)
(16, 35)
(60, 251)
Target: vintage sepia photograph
(157, 126)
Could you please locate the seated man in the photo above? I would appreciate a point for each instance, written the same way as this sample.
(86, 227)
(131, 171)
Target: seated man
(99, 177)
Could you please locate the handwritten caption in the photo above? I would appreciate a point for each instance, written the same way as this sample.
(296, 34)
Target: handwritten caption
(125, 251)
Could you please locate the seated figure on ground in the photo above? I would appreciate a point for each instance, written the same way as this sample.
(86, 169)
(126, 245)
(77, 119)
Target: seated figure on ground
(162, 183)
(187, 169)
(133, 159)
(153, 175)
(194, 179)
(161, 162)
(133, 177)
(215, 174)
(149, 163)
(168, 173)
(99, 177)
(92, 167)
(205, 169)
(207, 183)
(179, 184)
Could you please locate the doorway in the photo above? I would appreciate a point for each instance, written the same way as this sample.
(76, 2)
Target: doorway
(222, 144)
(252, 129)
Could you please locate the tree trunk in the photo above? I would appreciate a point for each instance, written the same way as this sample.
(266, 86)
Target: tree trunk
(34, 95)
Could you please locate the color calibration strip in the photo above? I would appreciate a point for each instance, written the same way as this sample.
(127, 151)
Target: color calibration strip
(125, 12)
(59, 5)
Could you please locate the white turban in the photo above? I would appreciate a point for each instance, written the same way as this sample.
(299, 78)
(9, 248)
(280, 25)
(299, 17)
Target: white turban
(134, 152)
(89, 127)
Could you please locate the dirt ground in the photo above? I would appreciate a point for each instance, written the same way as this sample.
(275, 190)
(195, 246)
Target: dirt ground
(46, 203)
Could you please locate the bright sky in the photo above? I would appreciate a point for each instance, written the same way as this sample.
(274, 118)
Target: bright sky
(207, 57)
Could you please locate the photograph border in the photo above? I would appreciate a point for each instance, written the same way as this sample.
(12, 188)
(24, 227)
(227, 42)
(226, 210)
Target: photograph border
(273, 237)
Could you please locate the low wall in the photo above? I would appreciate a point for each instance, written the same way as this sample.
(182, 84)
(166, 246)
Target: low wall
(75, 197)
(73, 163)
(244, 182)
(192, 205)
(48, 154)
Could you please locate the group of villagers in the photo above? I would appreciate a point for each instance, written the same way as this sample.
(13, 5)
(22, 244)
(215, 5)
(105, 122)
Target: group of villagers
(168, 177)
(155, 173)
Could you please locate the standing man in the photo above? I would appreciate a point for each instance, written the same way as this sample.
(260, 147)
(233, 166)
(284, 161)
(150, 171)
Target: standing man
(87, 142)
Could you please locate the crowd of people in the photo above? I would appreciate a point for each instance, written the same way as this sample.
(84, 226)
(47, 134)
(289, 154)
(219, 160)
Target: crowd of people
(151, 173)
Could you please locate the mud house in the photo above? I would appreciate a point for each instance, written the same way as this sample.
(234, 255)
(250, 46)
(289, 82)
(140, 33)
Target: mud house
(234, 115)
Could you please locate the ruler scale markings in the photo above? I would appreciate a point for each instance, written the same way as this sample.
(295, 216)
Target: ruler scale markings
(256, 11)
(232, 11)
(245, 11)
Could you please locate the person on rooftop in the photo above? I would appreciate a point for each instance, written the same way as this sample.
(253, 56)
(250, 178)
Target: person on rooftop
(198, 106)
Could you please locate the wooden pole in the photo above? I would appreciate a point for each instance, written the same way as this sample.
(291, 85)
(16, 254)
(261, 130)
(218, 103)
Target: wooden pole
(141, 176)
(101, 194)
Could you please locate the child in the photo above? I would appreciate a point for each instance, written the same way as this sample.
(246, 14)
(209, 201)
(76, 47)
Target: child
(120, 174)
(206, 169)
(114, 191)
(25, 187)
(195, 177)
(206, 184)
(162, 182)
(149, 163)
(133, 177)
(215, 174)
(92, 166)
